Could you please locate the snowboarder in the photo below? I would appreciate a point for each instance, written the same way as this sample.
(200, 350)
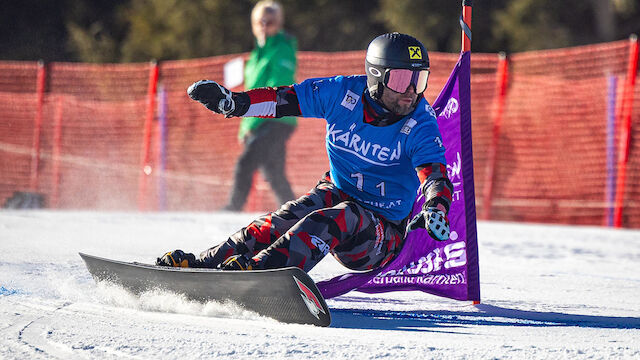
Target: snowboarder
(383, 143)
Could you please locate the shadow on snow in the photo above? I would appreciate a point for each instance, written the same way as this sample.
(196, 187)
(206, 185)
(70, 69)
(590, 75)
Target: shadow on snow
(486, 315)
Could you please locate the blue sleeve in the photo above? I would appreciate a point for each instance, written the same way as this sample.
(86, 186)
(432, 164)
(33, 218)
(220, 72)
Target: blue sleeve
(317, 97)
(425, 144)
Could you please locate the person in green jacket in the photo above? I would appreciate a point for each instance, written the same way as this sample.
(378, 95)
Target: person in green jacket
(272, 63)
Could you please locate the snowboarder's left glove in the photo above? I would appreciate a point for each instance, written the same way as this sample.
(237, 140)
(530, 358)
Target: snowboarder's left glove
(434, 220)
(214, 96)
(178, 258)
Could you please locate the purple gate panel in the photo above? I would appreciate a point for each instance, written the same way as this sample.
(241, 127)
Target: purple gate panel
(447, 268)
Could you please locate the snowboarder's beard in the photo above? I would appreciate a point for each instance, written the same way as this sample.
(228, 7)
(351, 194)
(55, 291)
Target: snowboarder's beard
(399, 104)
(402, 109)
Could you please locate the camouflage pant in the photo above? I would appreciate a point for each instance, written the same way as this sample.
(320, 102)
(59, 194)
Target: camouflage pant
(303, 231)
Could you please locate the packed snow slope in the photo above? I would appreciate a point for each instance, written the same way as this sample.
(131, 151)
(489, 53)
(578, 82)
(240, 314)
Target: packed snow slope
(547, 292)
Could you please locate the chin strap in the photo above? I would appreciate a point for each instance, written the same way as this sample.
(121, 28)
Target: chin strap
(375, 92)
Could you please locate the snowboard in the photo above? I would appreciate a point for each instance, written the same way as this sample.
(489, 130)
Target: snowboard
(288, 295)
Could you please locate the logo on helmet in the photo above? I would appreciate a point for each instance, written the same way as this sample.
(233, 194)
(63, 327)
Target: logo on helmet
(375, 72)
(415, 53)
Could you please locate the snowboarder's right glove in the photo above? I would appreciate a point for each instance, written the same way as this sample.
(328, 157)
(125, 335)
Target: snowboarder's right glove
(434, 220)
(214, 96)
(237, 262)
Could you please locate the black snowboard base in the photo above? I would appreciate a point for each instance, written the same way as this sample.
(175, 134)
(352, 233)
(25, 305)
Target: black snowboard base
(288, 295)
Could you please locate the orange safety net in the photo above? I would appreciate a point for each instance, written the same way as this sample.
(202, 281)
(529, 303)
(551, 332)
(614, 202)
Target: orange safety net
(551, 163)
(552, 151)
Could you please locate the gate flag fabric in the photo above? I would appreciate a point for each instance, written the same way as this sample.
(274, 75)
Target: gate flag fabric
(448, 268)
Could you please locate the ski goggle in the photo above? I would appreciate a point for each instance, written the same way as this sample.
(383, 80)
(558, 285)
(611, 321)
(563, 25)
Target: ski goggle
(399, 80)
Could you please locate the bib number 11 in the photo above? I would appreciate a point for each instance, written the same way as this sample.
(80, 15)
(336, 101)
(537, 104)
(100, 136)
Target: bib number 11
(360, 183)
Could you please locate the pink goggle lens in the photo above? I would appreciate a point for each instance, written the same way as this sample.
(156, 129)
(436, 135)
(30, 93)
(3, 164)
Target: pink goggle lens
(399, 80)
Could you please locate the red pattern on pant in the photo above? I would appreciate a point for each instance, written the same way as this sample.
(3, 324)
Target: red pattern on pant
(262, 232)
(323, 221)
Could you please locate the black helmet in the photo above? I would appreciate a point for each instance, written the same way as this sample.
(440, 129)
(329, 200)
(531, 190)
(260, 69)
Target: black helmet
(395, 51)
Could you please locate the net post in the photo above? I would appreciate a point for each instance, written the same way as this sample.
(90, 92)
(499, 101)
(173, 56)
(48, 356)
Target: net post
(610, 187)
(162, 146)
(625, 129)
(465, 22)
(501, 93)
(472, 273)
(37, 126)
(146, 136)
(57, 147)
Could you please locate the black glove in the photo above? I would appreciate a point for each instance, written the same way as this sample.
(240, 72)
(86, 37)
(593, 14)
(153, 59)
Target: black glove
(178, 258)
(432, 219)
(212, 95)
(238, 262)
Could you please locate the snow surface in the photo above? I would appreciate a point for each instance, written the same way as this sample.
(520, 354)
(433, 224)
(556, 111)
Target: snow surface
(548, 292)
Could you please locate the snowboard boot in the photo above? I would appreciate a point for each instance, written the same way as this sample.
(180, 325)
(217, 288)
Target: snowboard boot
(178, 258)
(238, 262)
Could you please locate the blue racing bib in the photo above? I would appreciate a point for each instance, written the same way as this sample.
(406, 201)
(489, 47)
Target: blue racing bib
(373, 164)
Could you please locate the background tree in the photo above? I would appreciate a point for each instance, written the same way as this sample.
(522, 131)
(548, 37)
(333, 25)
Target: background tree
(174, 29)
(434, 22)
(140, 30)
(96, 29)
(542, 24)
(329, 25)
(23, 38)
